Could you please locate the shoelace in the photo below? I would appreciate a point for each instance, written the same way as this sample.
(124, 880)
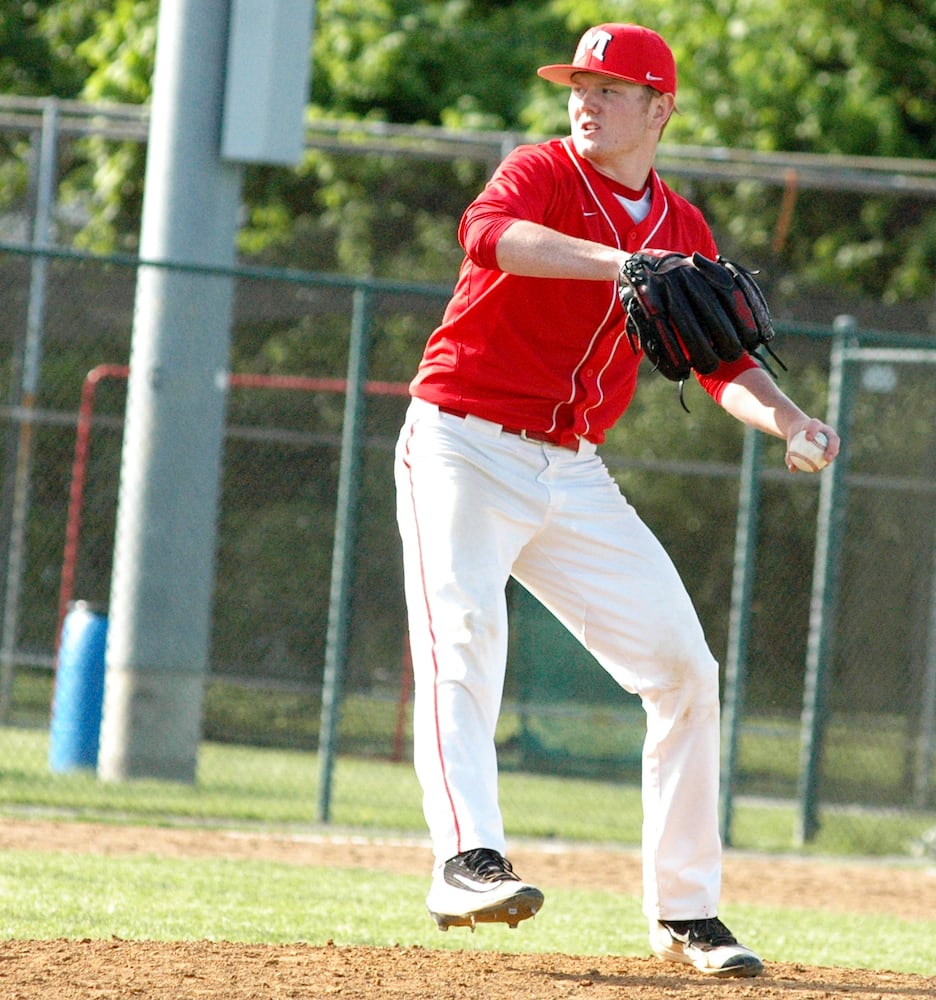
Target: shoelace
(711, 931)
(487, 864)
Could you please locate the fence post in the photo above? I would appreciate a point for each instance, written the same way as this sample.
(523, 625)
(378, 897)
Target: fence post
(739, 620)
(26, 392)
(342, 573)
(927, 734)
(830, 533)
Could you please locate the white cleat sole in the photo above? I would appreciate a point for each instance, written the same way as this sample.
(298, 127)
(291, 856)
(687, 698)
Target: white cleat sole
(520, 906)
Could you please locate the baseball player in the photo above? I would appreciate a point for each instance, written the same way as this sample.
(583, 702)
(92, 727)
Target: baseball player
(498, 475)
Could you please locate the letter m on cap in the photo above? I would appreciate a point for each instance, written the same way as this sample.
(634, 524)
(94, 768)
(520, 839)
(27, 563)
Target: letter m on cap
(596, 42)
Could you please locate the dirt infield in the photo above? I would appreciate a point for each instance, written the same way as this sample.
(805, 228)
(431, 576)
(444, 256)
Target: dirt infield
(120, 970)
(66, 970)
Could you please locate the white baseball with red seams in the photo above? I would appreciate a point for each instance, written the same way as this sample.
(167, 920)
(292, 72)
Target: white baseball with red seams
(806, 455)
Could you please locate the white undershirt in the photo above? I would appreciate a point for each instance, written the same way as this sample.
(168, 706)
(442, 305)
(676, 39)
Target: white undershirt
(638, 209)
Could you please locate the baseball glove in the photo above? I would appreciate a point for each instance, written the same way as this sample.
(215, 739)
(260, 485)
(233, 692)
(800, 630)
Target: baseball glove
(692, 313)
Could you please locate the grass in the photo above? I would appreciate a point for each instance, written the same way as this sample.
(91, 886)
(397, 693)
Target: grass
(50, 896)
(866, 756)
(277, 789)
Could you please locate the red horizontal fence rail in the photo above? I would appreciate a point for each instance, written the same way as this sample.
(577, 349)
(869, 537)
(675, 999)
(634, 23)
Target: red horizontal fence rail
(83, 444)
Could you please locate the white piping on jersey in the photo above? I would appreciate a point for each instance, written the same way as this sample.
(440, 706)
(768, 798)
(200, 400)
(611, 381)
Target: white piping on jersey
(648, 241)
(614, 299)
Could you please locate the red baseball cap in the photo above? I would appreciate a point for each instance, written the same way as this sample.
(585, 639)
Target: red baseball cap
(623, 51)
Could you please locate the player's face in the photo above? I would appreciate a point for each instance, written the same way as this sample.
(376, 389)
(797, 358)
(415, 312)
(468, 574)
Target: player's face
(613, 119)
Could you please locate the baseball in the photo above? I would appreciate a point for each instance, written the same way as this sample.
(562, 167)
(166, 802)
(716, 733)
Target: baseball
(806, 455)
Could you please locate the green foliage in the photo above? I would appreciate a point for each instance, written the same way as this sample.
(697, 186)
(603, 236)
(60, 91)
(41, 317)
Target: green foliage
(792, 75)
(105, 192)
(380, 215)
(37, 46)
(796, 75)
(856, 79)
(765, 76)
(121, 53)
(449, 62)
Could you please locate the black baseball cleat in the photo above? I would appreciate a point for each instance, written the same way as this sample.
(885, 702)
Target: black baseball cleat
(707, 945)
(480, 887)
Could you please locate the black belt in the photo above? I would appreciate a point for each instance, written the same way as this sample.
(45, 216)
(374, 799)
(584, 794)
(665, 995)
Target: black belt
(539, 436)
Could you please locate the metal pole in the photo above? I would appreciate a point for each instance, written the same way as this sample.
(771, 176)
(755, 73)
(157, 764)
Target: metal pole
(29, 388)
(346, 516)
(739, 620)
(924, 756)
(164, 550)
(830, 530)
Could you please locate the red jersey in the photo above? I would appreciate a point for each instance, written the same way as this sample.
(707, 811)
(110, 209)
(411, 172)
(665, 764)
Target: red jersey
(549, 354)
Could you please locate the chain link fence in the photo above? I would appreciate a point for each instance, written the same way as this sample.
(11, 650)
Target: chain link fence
(564, 719)
(861, 754)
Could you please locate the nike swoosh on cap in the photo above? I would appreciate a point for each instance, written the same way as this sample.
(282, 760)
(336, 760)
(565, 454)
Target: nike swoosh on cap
(650, 76)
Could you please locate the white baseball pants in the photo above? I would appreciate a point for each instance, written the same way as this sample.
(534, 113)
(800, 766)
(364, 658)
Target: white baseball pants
(477, 505)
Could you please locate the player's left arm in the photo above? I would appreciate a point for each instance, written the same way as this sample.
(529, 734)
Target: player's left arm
(755, 399)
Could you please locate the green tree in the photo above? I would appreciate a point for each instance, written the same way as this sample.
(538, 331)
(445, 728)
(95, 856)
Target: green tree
(37, 43)
(798, 76)
(759, 74)
(768, 75)
(452, 62)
